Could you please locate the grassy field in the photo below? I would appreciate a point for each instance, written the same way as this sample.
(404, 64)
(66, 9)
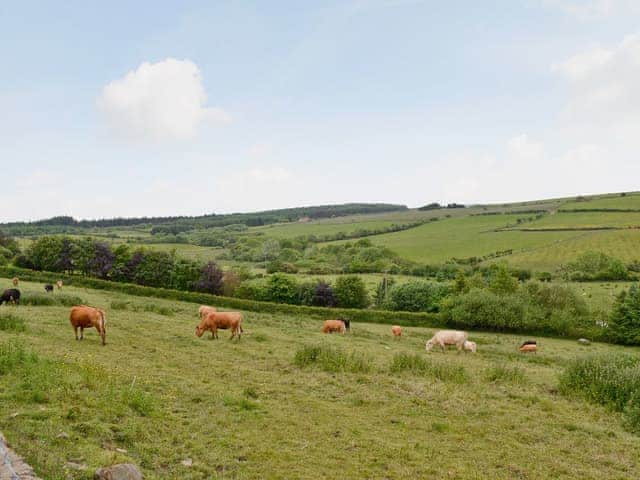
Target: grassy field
(615, 201)
(623, 244)
(464, 237)
(367, 407)
(586, 220)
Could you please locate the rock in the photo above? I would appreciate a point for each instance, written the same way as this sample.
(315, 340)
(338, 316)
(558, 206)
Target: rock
(584, 341)
(187, 462)
(76, 466)
(122, 471)
(121, 450)
(62, 435)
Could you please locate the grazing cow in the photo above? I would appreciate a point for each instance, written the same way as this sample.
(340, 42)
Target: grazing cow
(470, 346)
(529, 346)
(223, 321)
(447, 337)
(10, 295)
(347, 323)
(48, 288)
(396, 331)
(205, 310)
(59, 284)
(331, 326)
(15, 281)
(83, 317)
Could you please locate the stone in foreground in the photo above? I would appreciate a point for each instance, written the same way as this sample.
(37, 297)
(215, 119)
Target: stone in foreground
(122, 471)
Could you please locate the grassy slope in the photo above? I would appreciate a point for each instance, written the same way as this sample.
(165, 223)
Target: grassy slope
(463, 237)
(243, 410)
(587, 220)
(615, 201)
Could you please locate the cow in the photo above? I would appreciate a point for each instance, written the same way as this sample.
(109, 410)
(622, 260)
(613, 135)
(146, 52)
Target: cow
(15, 281)
(205, 310)
(59, 284)
(332, 326)
(48, 288)
(396, 330)
(215, 321)
(10, 295)
(447, 337)
(83, 316)
(470, 346)
(529, 346)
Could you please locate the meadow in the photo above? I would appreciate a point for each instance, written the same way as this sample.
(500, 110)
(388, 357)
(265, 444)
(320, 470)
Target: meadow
(630, 201)
(288, 402)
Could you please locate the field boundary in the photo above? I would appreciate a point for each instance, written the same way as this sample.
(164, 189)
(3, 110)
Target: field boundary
(409, 319)
(12, 465)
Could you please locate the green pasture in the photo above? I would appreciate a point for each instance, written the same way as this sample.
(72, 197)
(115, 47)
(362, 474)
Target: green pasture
(289, 402)
(586, 220)
(630, 201)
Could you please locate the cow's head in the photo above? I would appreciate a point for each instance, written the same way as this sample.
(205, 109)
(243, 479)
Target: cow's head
(428, 346)
(199, 331)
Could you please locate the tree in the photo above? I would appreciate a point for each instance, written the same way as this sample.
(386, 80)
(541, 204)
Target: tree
(351, 292)
(282, 289)
(417, 296)
(323, 295)
(44, 253)
(102, 262)
(502, 282)
(624, 323)
(210, 279)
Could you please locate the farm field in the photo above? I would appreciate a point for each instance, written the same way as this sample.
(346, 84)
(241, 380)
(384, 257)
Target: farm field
(586, 220)
(623, 244)
(613, 201)
(464, 237)
(247, 410)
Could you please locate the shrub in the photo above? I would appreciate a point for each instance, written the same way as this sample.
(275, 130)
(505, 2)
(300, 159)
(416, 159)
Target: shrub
(210, 279)
(323, 295)
(331, 359)
(351, 292)
(624, 323)
(282, 289)
(419, 365)
(417, 296)
(47, 300)
(595, 266)
(502, 282)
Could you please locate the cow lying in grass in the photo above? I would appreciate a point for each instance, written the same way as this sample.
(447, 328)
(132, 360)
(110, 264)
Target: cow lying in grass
(447, 337)
(215, 321)
(334, 326)
(529, 346)
(396, 331)
(83, 317)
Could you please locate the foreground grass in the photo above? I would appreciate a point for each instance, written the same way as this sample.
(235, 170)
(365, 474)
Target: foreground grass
(289, 402)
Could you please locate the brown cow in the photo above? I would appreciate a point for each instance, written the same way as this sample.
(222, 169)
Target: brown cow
(205, 310)
(83, 317)
(331, 326)
(223, 321)
(396, 330)
(529, 348)
(15, 281)
(59, 284)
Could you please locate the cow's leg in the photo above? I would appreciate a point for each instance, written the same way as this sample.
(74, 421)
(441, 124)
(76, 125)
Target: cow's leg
(81, 333)
(75, 330)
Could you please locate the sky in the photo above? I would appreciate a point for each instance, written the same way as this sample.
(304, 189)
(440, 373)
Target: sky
(120, 109)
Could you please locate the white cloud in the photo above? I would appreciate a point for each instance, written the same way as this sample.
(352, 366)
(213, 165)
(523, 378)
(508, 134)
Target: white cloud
(523, 149)
(604, 83)
(269, 175)
(594, 9)
(163, 100)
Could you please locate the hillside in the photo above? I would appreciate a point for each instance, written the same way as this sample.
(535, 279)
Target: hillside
(157, 396)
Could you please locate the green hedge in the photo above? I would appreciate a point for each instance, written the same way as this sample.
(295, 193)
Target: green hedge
(409, 319)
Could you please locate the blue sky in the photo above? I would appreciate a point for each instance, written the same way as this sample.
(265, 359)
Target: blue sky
(163, 108)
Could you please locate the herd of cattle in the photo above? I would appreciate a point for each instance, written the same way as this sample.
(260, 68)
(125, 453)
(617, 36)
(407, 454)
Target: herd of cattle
(84, 316)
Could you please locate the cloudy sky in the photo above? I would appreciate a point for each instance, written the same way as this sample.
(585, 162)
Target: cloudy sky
(126, 108)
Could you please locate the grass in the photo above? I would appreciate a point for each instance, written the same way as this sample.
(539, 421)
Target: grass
(586, 220)
(10, 322)
(614, 201)
(156, 395)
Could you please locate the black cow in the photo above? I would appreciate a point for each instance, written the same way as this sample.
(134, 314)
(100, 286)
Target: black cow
(48, 288)
(10, 295)
(347, 323)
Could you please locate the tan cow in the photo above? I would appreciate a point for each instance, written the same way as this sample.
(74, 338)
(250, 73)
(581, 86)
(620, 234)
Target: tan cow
(220, 320)
(332, 326)
(205, 310)
(83, 316)
(59, 284)
(396, 330)
(470, 346)
(447, 337)
(529, 348)
(15, 281)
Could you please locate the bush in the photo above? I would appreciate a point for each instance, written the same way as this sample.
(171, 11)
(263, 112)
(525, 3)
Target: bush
(611, 380)
(323, 295)
(351, 292)
(624, 323)
(331, 359)
(419, 365)
(282, 289)
(417, 296)
(595, 266)
(484, 310)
